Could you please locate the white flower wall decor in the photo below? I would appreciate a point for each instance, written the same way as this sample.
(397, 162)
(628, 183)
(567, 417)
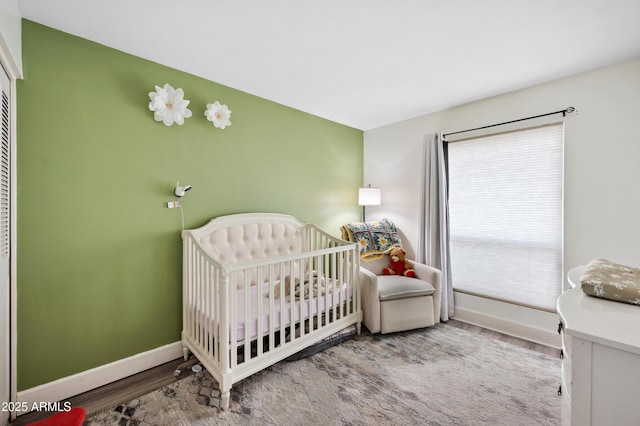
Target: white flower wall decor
(168, 105)
(220, 115)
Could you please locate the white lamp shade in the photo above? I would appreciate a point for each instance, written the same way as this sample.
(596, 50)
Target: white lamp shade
(369, 196)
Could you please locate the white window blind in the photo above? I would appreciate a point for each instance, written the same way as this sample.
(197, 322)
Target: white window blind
(505, 207)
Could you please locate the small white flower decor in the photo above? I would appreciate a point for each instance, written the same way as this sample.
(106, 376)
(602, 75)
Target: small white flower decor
(220, 115)
(168, 105)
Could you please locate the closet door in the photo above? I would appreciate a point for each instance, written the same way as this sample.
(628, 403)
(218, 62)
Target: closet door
(5, 299)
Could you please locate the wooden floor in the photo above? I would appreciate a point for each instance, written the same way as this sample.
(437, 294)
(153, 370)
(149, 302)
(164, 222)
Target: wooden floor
(111, 395)
(116, 393)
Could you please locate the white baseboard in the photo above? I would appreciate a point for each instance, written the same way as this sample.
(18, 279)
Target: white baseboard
(526, 332)
(76, 384)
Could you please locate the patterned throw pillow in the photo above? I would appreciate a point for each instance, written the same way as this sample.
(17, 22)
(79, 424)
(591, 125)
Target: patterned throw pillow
(608, 280)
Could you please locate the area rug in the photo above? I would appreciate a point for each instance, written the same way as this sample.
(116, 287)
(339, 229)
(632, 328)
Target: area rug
(442, 375)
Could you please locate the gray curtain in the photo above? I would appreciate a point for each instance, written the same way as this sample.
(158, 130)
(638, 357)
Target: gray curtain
(433, 238)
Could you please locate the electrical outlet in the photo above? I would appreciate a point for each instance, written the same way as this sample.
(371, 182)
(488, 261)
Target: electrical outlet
(174, 204)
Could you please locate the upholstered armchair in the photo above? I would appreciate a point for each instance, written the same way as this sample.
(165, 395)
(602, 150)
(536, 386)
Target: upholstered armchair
(393, 303)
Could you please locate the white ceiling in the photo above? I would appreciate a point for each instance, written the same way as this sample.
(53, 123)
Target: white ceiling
(363, 63)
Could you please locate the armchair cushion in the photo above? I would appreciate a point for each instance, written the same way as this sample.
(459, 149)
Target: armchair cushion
(399, 287)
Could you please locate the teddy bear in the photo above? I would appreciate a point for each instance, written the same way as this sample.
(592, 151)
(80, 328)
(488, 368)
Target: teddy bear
(399, 265)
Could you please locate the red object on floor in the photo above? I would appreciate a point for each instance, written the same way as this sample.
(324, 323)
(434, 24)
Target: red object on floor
(73, 417)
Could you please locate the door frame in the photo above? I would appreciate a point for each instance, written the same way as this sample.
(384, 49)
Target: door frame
(14, 72)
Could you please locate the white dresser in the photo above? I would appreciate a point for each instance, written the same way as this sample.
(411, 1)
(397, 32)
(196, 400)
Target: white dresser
(601, 363)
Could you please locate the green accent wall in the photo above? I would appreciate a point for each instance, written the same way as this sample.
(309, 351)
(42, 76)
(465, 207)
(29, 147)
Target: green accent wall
(99, 252)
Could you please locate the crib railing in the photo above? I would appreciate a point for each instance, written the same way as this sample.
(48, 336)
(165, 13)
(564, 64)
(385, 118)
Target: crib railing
(245, 316)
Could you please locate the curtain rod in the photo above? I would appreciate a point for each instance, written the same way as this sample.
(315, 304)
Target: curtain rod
(564, 112)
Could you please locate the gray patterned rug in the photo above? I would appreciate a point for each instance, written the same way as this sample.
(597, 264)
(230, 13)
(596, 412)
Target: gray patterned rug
(441, 375)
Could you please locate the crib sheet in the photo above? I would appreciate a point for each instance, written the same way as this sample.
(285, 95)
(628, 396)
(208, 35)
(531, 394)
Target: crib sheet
(310, 308)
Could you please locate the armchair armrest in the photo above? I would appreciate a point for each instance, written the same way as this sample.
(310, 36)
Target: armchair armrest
(370, 300)
(433, 276)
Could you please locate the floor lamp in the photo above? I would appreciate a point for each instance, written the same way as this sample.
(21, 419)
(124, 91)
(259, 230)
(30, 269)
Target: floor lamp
(369, 196)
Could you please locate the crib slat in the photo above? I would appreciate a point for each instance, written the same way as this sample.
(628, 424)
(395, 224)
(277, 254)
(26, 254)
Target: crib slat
(215, 312)
(192, 295)
(215, 315)
(283, 312)
(212, 318)
(292, 303)
(202, 299)
(260, 306)
(305, 304)
(337, 301)
(229, 345)
(349, 275)
(330, 284)
(247, 312)
(207, 308)
(186, 288)
(271, 307)
(331, 288)
(198, 304)
(342, 301)
(202, 302)
(321, 294)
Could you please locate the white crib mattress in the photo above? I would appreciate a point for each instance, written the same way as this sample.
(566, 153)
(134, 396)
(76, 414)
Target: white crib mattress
(318, 304)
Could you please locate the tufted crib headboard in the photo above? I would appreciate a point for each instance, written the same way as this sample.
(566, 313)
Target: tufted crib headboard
(247, 238)
(248, 241)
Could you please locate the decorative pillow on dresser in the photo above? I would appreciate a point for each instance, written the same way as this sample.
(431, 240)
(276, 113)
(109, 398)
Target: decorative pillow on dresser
(613, 281)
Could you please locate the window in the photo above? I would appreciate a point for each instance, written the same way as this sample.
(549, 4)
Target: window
(505, 207)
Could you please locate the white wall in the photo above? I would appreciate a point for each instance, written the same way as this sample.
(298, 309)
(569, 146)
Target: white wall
(602, 172)
(11, 36)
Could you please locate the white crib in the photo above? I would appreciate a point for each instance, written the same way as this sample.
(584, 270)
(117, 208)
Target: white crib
(259, 287)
